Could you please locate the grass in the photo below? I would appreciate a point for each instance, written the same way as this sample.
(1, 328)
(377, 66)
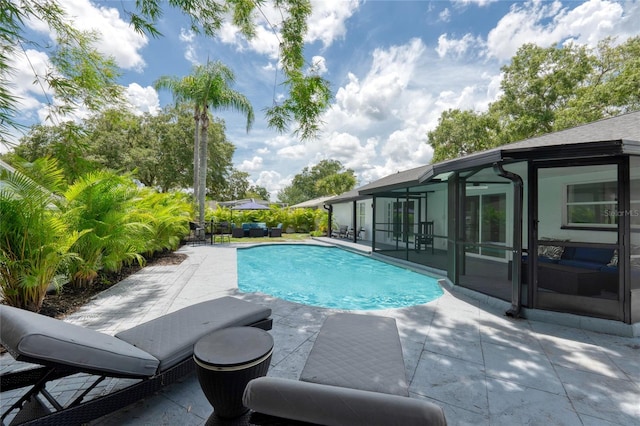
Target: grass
(285, 238)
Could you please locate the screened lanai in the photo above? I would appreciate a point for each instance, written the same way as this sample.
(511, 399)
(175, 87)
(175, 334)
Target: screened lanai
(548, 223)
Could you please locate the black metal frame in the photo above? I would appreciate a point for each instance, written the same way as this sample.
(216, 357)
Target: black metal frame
(33, 411)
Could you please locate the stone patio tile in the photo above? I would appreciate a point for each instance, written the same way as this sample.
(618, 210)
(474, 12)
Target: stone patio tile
(513, 404)
(523, 366)
(446, 379)
(606, 398)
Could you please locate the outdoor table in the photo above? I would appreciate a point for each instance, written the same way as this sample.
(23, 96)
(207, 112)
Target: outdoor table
(226, 360)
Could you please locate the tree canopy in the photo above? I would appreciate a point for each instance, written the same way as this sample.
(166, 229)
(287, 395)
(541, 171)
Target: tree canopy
(157, 150)
(328, 177)
(83, 77)
(545, 90)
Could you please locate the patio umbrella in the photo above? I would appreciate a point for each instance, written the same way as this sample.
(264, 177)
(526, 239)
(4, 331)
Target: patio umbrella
(250, 205)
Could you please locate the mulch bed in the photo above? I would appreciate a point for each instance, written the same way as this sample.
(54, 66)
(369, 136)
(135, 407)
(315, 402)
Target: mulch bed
(70, 299)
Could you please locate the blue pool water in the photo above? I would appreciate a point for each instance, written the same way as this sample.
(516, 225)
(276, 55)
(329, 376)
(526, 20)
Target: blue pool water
(331, 277)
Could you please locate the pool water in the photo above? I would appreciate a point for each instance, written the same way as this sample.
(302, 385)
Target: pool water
(331, 277)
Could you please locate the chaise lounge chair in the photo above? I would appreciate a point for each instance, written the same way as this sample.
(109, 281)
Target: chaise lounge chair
(156, 353)
(354, 375)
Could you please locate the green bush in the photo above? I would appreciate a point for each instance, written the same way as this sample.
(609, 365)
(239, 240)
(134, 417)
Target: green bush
(35, 241)
(105, 206)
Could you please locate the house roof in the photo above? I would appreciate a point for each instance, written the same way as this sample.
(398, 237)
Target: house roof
(352, 195)
(607, 137)
(313, 203)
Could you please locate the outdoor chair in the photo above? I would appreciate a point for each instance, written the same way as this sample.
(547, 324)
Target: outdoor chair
(276, 232)
(155, 353)
(342, 231)
(197, 233)
(222, 231)
(354, 375)
(424, 237)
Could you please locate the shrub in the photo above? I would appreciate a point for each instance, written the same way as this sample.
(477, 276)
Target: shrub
(34, 240)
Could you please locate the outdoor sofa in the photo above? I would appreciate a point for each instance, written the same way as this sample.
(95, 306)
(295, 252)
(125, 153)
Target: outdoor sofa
(574, 269)
(354, 376)
(155, 353)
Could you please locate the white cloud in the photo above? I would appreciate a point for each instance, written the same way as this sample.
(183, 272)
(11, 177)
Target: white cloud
(457, 47)
(445, 15)
(383, 86)
(188, 38)
(549, 23)
(117, 38)
(26, 66)
(251, 165)
(326, 24)
(319, 65)
(327, 21)
(273, 182)
(143, 99)
(480, 3)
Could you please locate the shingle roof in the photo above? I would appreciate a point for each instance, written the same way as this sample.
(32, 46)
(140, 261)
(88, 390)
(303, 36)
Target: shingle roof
(610, 136)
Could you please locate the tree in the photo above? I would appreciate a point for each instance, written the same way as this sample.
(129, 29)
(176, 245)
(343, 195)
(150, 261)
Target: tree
(65, 142)
(81, 75)
(537, 84)
(237, 187)
(256, 191)
(546, 90)
(328, 177)
(460, 133)
(209, 86)
(612, 88)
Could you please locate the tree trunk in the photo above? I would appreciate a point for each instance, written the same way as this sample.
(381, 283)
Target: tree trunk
(202, 172)
(196, 154)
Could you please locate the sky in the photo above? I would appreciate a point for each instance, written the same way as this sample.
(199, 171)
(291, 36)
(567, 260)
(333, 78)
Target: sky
(393, 67)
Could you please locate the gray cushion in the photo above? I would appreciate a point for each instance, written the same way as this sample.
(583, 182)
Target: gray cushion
(331, 405)
(170, 338)
(358, 352)
(48, 340)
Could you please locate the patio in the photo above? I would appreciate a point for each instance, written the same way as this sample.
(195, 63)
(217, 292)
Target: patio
(480, 366)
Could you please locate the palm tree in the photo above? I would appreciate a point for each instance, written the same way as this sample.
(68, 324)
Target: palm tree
(35, 241)
(209, 86)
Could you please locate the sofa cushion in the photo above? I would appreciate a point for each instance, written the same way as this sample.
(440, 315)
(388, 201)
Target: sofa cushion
(170, 338)
(41, 339)
(609, 269)
(581, 264)
(593, 254)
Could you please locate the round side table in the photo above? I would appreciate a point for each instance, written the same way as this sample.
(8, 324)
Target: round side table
(226, 360)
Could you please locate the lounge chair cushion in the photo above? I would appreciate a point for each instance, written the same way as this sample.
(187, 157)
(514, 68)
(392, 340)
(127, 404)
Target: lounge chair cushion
(170, 338)
(335, 406)
(41, 339)
(359, 352)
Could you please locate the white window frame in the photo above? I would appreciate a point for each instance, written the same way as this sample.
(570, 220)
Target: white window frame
(612, 211)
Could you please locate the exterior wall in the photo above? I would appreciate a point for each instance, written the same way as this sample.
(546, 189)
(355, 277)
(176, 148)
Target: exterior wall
(343, 215)
(551, 201)
(437, 212)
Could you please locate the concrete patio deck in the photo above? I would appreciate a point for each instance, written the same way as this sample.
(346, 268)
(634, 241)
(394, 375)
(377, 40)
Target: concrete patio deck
(480, 366)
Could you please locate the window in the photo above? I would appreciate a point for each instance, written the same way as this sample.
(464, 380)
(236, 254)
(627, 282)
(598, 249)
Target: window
(592, 204)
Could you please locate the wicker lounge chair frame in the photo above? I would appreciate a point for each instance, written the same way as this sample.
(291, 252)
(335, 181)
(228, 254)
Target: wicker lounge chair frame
(32, 410)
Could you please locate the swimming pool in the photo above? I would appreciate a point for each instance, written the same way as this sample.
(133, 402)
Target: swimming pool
(331, 277)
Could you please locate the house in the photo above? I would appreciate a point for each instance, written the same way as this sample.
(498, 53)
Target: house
(550, 223)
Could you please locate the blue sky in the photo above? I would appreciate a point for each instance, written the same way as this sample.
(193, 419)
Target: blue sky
(394, 66)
